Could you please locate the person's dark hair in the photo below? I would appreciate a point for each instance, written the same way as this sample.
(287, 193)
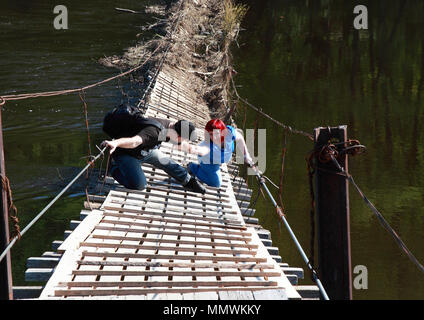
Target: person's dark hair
(186, 129)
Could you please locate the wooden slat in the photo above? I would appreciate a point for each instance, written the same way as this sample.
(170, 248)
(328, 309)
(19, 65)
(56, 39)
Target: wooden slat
(81, 232)
(172, 206)
(275, 294)
(175, 186)
(166, 194)
(177, 221)
(212, 190)
(199, 232)
(169, 273)
(170, 215)
(120, 292)
(236, 295)
(169, 233)
(178, 265)
(173, 257)
(168, 284)
(194, 243)
(206, 197)
(179, 249)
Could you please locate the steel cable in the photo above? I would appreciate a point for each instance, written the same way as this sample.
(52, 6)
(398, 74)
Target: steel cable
(41, 213)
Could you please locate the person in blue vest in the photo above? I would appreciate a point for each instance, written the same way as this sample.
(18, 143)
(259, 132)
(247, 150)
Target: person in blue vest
(217, 148)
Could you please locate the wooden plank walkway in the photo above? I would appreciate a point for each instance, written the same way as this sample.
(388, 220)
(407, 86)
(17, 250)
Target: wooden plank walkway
(165, 242)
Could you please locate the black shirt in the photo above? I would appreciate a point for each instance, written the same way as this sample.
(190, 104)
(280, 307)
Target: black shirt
(151, 136)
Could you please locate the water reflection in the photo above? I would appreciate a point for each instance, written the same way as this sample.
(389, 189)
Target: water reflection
(45, 139)
(305, 64)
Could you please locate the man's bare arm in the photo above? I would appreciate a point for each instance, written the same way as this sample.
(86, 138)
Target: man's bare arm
(126, 143)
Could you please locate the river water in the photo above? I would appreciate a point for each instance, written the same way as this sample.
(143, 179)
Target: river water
(305, 65)
(45, 139)
(301, 61)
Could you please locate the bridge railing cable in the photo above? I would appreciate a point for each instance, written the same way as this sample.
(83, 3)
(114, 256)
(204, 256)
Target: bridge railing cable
(330, 153)
(41, 213)
(262, 183)
(280, 124)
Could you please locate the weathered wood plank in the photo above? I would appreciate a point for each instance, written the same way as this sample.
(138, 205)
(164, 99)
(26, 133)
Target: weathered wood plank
(81, 232)
(198, 243)
(165, 248)
(275, 294)
(38, 274)
(179, 265)
(165, 218)
(222, 221)
(167, 284)
(232, 235)
(196, 234)
(26, 292)
(165, 193)
(175, 257)
(119, 292)
(177, 273)
(229, 215)
(235, 295)
(42, 262)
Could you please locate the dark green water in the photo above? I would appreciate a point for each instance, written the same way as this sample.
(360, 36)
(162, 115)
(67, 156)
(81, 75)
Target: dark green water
(305, 64)
(45, 139)
(301, 61)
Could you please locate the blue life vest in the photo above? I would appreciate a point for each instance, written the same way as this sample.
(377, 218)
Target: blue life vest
(208, 169)
(217, 154)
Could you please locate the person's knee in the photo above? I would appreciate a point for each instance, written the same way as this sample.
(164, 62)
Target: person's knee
(216, 184)
(135, 183)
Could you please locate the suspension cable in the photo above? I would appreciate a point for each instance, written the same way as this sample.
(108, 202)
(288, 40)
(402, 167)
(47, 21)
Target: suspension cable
(379, 216)
(259, 110)
(68, 91)
(293, 236)
(41, 213)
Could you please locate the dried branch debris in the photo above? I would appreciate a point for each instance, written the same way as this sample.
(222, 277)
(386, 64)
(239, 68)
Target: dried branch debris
(196, 38)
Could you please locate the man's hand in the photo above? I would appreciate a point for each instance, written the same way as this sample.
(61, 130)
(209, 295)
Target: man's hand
(185, 146)
(126, 143)
(111, 144)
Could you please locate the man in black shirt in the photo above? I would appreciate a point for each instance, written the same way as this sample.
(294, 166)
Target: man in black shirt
(128, 153)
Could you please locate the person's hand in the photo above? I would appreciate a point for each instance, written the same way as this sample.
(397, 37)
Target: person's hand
(185, 146)
(252, 165)
(111, 144)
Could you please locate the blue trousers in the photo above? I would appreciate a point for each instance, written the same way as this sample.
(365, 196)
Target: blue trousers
(127, 169)
(207, 173)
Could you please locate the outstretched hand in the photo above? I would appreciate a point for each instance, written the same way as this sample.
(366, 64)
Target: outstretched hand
(111, 144)
(185, 146)
(254, 168)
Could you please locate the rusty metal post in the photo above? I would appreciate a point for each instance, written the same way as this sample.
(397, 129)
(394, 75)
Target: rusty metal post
(6, 290)
(332, 207)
